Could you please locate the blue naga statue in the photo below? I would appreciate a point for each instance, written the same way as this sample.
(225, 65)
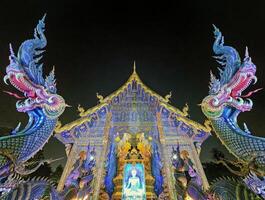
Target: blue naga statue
(40, 101)
(223, 105)
(78, 184)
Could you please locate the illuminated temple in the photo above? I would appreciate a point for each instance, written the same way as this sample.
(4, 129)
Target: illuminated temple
(131, 139)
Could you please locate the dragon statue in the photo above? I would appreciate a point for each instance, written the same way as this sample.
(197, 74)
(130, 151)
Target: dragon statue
(77, 186)
(226, 188)
(36, 188)
(79, 182)
(40, 101)
(188, 183)
(226, 101)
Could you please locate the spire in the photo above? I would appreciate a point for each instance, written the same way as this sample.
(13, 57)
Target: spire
(134, 67)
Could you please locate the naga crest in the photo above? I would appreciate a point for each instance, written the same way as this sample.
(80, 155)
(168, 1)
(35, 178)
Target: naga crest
(25, 73)
(234, 77)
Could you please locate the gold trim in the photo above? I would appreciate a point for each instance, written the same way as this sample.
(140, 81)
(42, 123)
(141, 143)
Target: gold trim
(183, 118)
(59, 128)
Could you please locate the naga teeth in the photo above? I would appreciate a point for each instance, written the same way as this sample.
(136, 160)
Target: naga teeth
(6, 77)
(18, 103)
(250, 102)
(255, 80)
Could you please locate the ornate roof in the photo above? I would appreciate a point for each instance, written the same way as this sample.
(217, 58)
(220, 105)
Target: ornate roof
(87, 115)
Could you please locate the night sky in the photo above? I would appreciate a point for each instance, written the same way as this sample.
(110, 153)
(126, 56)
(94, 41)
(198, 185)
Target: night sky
(93, 47)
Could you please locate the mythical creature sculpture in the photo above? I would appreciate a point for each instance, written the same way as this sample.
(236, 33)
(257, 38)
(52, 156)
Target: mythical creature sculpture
(226, 101)
(232, 189)
(40, 101)
(80, 178)
(36, 188)
(78, 184)
(188, 181)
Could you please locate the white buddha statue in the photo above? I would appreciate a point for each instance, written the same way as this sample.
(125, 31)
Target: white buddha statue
(133, 189)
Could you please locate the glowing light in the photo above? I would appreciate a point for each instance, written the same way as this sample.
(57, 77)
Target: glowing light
(175, 157)
(91, 157)
(117, 139)
(85, 198)
(134, 182)
(188, 197)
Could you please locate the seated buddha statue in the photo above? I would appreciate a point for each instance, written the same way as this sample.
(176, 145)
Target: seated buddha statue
(133, 189)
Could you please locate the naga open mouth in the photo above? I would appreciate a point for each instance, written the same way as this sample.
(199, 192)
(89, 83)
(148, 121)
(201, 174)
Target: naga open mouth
(33, 95)
(231, 93)
(244, 77)
(21, 83)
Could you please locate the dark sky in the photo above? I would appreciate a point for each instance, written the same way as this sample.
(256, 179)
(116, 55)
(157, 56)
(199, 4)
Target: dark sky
(93, 47)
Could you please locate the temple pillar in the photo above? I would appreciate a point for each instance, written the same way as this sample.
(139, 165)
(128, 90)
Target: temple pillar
(72, 157)
(187, 144)
(100, 167)
(169, 179)
(196, 158)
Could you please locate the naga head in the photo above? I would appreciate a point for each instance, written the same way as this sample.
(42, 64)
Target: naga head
(235, 77)
(25, 73)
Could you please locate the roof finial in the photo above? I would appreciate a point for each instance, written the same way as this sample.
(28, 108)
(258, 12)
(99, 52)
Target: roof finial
(134, 67)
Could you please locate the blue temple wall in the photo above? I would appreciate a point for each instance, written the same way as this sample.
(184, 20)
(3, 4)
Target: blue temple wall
(134, 111)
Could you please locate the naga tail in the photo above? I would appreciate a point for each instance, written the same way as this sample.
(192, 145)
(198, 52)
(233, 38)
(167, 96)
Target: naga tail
(36, 188)
(226, 188)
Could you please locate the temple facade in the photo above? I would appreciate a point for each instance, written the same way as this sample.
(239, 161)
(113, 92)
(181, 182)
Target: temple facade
(132, 135)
